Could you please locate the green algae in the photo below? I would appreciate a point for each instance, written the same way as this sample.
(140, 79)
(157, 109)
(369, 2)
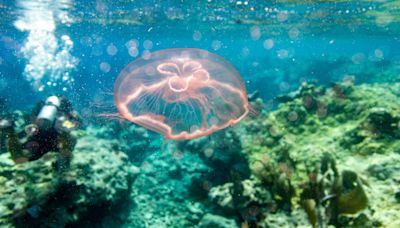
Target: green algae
(358, 126)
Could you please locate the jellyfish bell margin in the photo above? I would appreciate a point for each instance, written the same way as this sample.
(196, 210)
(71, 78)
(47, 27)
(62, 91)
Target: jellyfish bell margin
(151, 123)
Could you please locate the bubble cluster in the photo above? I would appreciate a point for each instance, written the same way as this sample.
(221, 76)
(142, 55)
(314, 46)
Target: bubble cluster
(132, 46)
(49, 59)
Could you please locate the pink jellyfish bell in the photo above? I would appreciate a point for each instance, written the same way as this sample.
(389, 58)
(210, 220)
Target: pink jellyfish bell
(181, 93)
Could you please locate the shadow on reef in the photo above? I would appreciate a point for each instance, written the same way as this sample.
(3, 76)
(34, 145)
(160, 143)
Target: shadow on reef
(66, 195)
(222, 153)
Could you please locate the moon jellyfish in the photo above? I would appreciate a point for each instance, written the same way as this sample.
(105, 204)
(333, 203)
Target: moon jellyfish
(181, 93)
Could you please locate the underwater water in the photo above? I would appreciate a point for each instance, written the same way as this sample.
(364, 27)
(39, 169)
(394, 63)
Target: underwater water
(297, 103)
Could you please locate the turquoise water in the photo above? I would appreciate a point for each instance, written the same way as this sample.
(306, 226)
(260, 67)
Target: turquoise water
(272, 44)
(123, 175)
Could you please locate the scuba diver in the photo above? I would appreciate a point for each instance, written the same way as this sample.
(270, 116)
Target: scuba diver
(51, 123)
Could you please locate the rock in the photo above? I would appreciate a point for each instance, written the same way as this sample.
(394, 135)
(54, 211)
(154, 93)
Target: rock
(34, 194)
(222, 152)
(382, 121)
(195, 208)
(196, 212)
(175, 172)
(384, 170)
(222, 196)
(135, 141)
(397, 196)
(358, 125)
(216, 221)
(252, 193)
(162, 190)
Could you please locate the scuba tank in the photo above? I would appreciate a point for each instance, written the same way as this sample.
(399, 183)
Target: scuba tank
(47, 115)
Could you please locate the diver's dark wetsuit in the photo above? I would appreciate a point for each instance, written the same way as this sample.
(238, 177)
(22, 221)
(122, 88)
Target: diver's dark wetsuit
(41, 143)
(43, 137)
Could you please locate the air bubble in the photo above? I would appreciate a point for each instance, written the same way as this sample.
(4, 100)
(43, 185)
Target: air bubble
(112, 49)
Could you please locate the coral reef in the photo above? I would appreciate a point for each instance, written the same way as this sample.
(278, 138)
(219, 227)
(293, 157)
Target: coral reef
(222, 153)
(327, 156)
(358, 126)
(160, 194)
(34, 193)
(216, 221)
(133, 140)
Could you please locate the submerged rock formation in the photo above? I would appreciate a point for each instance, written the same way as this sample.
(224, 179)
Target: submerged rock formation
(358, 126)
(324, 156)
(34, 193)
(216, 221)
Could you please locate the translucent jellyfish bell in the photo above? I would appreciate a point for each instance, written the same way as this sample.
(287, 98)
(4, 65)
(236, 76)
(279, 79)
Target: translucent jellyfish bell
(181, 93)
